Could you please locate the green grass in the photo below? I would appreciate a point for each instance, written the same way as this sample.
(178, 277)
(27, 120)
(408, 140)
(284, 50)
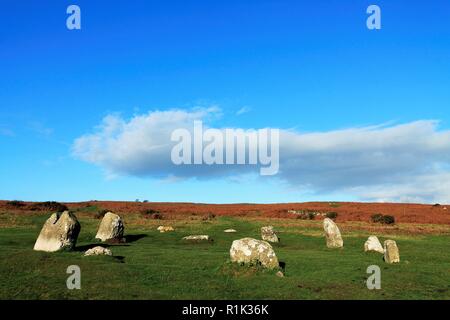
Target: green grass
(155, 265)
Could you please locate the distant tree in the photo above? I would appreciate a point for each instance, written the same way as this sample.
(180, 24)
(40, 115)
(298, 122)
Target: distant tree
(383, 219)
(331, 215)
(388, 219)
(376, 218)
(152, 214)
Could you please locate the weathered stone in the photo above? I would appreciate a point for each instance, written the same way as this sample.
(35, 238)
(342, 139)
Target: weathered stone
(391, 253)
(60, 231)
(249, 250)
(280, 274)
(229, 231)
(373, 244)
(97, 251)
(197, 238)
(332, 233)
(163, 229)
(111, 228)
(268, 234)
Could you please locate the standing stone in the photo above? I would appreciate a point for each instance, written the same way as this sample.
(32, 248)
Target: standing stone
(60, 231)
(249, 250)
(268, 234)
(110, 228)
(391, 254)
(373, 244)
(332, 233)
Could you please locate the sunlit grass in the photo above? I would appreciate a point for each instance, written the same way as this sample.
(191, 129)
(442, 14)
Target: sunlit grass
(155, 265)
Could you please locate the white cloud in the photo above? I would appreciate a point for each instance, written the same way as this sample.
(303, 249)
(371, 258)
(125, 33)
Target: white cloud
(407, 162)
(243, 110)
(140, 146)
(431, 187)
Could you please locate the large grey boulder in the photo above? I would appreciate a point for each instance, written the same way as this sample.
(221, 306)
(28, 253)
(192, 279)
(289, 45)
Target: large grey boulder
(332, 233)
(111, 228)
(60, 231)
(373, 244)
(391, 253)
(268, 234)
(249, 250)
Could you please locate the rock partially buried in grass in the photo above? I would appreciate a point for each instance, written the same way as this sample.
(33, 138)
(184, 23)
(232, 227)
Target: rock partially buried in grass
(163, 229)
(280, 274)
(373, 244)
(391, 253)
(98, 251)
(197, 238)
(111, 228)
(229, 231)
(249, 250)
(60, 231)
(332, 233)
(268, 234)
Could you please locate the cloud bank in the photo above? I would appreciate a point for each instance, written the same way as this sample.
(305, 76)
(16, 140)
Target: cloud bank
(406, 162)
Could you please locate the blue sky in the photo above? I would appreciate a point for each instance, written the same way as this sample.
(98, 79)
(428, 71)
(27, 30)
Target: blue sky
(307, 66)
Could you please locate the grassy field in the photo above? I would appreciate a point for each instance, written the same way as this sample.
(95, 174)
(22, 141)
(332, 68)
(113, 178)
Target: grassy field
(153, 265)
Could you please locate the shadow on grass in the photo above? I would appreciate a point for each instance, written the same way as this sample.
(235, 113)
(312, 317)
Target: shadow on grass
(120, 259)
(112, 243)
(90, 246)
(134, 237)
